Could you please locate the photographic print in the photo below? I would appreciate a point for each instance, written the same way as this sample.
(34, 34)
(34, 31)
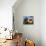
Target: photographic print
(28, 20)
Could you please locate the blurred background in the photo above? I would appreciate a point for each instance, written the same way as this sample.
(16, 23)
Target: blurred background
(36, 8)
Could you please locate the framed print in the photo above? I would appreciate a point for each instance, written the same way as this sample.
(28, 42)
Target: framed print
(28, 20)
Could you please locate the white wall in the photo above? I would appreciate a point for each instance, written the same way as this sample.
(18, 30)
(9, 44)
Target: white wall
(29, 8)
(6, 13)
(43, 22)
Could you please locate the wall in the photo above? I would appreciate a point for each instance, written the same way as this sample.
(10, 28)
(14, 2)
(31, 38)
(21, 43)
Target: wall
(43, 22)
(29, 8)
